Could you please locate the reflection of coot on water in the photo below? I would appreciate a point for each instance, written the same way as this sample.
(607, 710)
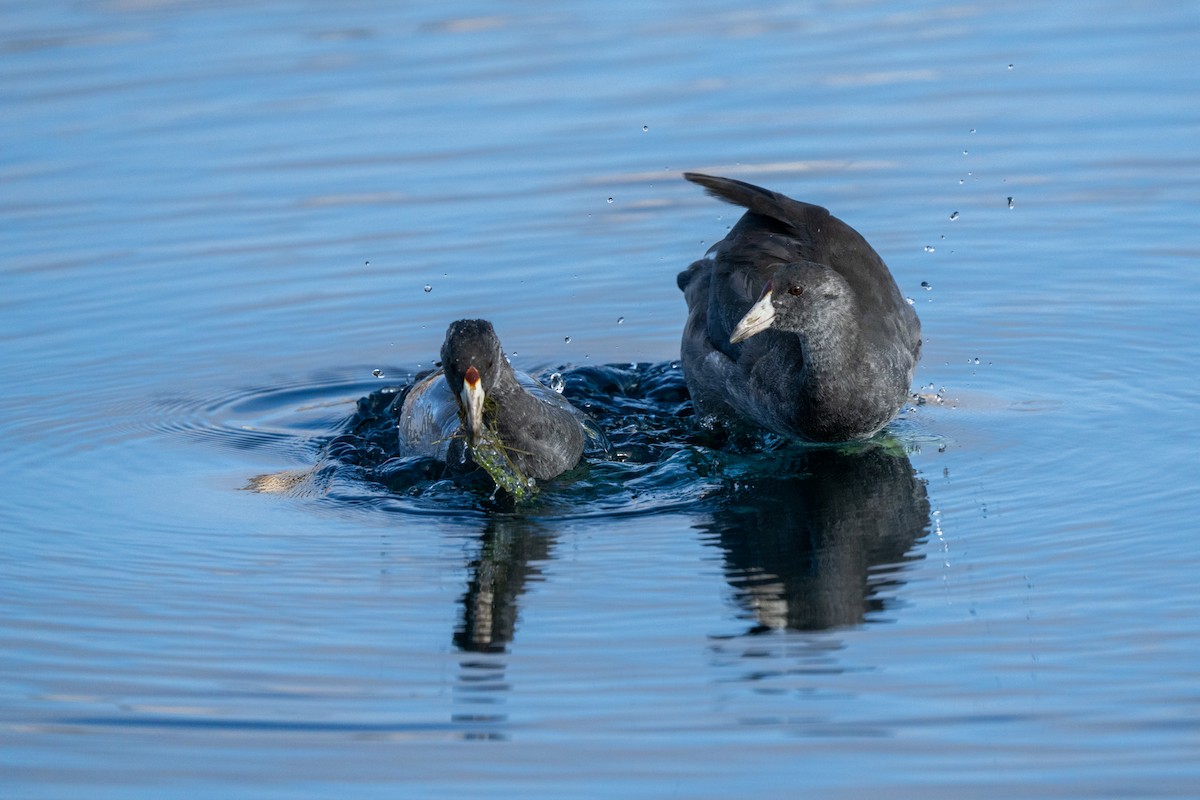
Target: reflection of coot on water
(509, 551)
(817, 548)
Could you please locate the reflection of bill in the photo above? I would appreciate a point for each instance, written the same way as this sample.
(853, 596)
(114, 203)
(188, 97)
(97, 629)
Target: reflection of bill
(820, 547)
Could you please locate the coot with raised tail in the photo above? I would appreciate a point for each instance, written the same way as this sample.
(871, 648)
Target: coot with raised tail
(795, 325)
(477, 409)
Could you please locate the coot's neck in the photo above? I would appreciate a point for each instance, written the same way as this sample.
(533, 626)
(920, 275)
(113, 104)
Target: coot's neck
(832, 351)
(508, 392)
(507, 384)
(836, 383)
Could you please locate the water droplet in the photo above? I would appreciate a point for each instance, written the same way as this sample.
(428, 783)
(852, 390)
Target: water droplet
(378, 373)
(366, 263)
(556, 382)
(610, 199)
(926, 285)
(567, 339)
(428, 288)
(929, 248)
(645, 128)
(1010, 204)
(1010, 66)
(954, 215)
(973, 361)
(908, 300)
(972, 130)
(620, 320)
(965, 152)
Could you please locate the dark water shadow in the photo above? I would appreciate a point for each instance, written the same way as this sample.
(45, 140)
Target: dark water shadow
(510, 550)
(823, 544)
(813, 539)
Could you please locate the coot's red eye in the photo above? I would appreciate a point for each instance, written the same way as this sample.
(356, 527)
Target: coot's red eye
(796, 290)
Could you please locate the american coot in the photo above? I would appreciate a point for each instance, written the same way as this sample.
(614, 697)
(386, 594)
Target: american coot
(794, 323)
(478, 409)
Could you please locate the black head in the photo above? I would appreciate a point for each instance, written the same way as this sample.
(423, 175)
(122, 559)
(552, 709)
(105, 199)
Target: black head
(471, 343)
(799, 298)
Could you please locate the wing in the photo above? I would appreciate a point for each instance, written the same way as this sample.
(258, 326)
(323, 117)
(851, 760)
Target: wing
(429, 419)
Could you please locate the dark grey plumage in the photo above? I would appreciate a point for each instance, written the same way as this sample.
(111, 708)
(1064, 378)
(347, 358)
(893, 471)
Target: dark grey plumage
(827, 351)
(538, 428)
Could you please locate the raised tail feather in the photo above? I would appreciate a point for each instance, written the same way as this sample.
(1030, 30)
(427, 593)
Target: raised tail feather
(755, 198)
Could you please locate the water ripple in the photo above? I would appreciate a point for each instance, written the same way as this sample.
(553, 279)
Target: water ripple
(293, 419)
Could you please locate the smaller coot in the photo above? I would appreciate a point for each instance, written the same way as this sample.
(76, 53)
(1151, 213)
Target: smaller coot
(477, 410)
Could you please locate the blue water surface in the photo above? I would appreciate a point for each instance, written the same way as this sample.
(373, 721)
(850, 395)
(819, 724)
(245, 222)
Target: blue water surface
(218, 220)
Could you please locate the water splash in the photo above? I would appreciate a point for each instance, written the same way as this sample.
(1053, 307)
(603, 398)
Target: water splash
(645, 452)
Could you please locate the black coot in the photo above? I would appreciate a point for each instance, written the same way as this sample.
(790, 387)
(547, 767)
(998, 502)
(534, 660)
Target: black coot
(795, 325)
(477, 408)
